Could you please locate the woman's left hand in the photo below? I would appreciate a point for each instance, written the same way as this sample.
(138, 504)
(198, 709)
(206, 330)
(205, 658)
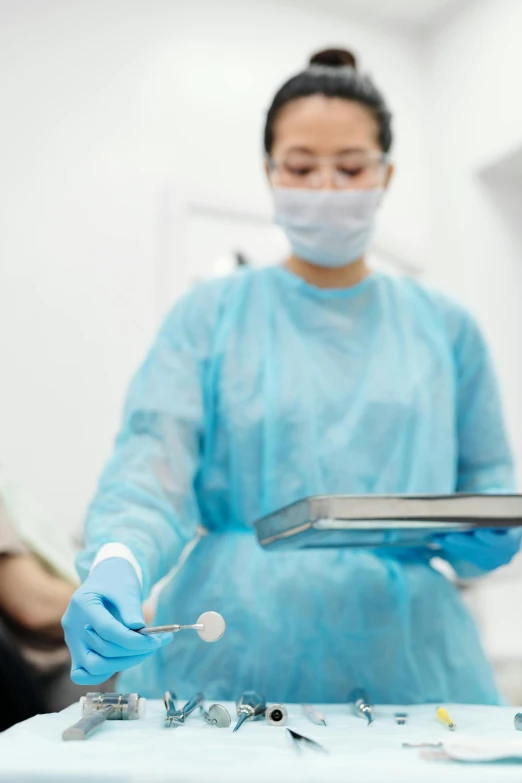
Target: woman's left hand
(487, 549)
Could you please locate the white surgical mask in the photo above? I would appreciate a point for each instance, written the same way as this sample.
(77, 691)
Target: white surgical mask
(330, 228)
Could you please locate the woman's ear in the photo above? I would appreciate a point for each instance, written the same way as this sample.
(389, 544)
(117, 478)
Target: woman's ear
(267, 170)
(389, 174)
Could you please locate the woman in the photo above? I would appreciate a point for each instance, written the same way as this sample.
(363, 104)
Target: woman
(276, 384)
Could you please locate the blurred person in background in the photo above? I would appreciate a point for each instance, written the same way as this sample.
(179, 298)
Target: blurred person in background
(315, 377)
(34, 659)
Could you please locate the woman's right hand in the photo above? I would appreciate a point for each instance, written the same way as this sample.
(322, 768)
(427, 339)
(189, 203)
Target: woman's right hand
(101, 621)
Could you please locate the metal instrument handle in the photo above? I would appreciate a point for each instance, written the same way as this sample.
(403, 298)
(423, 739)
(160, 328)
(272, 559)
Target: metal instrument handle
(169, 699)
(191, 705)
(84, 727)
(170, 629)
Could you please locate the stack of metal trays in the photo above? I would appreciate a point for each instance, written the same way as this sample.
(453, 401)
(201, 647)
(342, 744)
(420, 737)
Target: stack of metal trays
(383, 520)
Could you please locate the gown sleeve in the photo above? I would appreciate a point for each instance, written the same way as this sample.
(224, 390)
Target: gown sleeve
(485, 462)
(146, 498)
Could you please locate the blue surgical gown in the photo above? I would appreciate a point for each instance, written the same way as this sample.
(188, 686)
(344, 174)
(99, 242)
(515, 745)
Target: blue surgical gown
(261, 390)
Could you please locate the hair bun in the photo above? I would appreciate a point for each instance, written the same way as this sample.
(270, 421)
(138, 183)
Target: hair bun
(334, 58)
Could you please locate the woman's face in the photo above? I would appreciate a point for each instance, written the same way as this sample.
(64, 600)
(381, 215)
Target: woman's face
(328, 143)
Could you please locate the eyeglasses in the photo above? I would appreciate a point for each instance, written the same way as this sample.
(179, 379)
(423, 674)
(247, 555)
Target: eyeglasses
(358, 169)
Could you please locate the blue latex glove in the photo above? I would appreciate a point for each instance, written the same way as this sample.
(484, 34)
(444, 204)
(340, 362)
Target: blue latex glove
(487, 549)
(98, 620)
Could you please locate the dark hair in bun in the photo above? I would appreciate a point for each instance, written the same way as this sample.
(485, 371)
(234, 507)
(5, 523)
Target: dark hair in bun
(334, 58)
(332, 73)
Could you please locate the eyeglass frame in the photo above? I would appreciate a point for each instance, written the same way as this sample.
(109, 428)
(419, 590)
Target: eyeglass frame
(382, 157)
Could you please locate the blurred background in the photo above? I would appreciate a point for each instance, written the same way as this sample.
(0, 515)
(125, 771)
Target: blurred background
(131, 167)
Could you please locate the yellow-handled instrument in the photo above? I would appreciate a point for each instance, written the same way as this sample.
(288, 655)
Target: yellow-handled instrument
(443, 717)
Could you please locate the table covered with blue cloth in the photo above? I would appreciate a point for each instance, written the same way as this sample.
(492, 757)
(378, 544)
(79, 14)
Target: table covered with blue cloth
(143, 750)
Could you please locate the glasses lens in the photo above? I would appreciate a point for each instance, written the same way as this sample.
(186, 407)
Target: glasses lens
(300, 170)
(359, 169)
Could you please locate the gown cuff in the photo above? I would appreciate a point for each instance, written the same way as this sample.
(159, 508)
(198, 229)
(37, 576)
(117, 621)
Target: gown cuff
(115, 549)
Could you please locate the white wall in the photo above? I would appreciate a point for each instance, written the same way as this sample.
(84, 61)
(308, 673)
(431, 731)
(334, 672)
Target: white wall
(103, 103)
(79, 161)
(476, 80)
(476, 112)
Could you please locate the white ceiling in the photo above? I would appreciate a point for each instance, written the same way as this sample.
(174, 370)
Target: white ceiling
(416, 16)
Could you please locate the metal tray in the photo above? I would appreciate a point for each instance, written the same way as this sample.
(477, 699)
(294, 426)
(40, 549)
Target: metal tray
(383, 520)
